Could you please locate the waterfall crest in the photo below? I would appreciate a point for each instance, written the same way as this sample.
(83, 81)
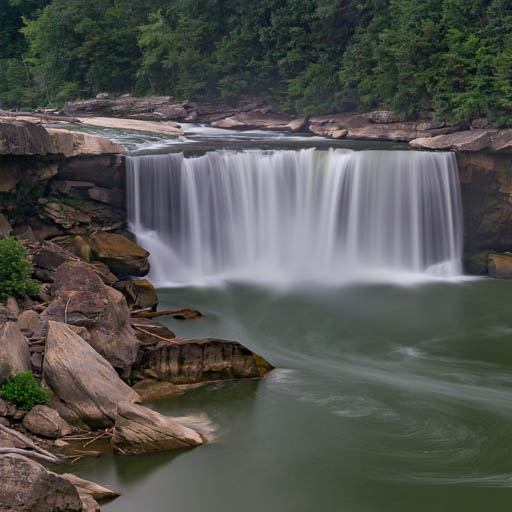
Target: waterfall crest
(309, 214)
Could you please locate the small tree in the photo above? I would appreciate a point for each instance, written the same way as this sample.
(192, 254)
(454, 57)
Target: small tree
(15, 270)
(22, 389)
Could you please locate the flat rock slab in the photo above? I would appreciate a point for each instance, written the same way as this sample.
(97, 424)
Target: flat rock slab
(163, 127)
(140, 430)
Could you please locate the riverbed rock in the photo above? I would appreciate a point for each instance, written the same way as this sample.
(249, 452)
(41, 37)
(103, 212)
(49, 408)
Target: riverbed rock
(187, 361)
(140, 430)
(14, 351)
(145, 293)
(45, 421)
(83, 486)
(123, 257)
(27, 486)
(149, 331)
(82, 379)
(83, 300)
(500, 265)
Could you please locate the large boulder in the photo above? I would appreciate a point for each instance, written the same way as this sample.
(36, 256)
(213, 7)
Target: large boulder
(82, 299)
(188, 361)
(82, 379)
(27, 486)
(14, 351)
(141, 430)
(123, 257)
(45, 421)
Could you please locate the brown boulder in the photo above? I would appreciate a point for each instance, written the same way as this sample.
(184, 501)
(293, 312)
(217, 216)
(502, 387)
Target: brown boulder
(45, 421)
(27, 486)
(82, 379)
(140, 430)
(123, 257)
(469, 140)
(82, 299)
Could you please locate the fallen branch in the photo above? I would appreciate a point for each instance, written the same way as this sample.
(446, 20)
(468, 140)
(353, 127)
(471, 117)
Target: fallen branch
(27, 441)
(30, 453)
(137, 328)
(142, 313)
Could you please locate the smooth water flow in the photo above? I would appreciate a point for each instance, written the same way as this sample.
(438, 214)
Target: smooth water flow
(287, 215)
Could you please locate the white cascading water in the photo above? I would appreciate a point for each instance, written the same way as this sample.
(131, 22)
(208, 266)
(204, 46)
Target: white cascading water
(332, 215)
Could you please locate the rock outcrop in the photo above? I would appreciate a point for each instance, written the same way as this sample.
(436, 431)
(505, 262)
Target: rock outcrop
(140, 430)
(23, 138)
(72, 143)
(83, 300)
(82, 379)
(14, 351)
(28, 486)
(187, 361)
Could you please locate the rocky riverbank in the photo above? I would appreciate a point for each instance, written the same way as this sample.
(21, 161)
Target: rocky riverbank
(89, 335)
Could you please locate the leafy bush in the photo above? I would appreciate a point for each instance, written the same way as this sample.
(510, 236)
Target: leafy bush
(15, 270)
(22, 389)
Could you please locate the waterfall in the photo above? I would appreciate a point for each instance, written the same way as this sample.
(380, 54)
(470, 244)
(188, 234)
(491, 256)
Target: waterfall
(308, 214)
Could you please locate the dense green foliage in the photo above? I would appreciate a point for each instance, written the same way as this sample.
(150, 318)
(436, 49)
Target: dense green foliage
(309, 56)
(15, 270)
(23, 390)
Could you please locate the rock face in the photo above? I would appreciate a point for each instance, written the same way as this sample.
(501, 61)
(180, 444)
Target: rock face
(14, 351)
(27, 486)
(23, 138)
(141, 430)
(82, 299)
(124, 257)
(82, 379)
(44, 421)
(486, 187)
(500, 265)
(189, 361)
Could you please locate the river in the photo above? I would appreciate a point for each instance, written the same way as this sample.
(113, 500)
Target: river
(391, 390)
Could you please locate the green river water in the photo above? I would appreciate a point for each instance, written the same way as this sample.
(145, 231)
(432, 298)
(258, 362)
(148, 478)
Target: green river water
(384, 399)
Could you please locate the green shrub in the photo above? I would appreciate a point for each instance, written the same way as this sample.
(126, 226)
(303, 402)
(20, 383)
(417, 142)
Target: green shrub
(22, 389)
(15, 270)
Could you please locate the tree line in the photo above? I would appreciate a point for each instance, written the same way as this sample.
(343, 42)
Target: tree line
(307, 56)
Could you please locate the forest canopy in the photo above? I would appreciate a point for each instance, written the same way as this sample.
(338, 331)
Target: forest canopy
(308, 56)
